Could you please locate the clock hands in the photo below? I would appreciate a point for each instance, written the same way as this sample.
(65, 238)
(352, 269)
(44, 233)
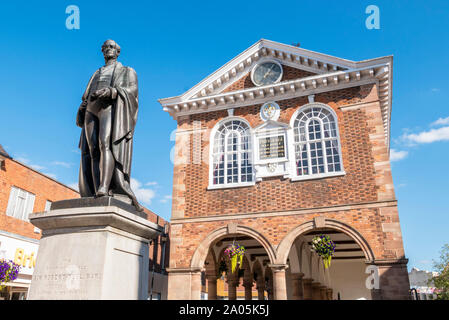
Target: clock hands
(268, 72)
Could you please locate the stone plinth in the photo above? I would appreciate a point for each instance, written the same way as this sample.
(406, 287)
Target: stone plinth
(92, 249)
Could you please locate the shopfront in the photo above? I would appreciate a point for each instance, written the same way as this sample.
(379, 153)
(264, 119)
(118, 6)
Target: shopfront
(22, 251)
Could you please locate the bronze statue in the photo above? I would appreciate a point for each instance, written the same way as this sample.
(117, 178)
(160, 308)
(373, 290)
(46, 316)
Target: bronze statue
(107, 116)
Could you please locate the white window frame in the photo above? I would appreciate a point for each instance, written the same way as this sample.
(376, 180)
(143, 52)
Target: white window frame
(226, 185)
(293, 170)
(13, 201)
(47, 205)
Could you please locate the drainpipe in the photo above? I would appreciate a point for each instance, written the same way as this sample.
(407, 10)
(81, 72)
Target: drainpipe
(164, 241)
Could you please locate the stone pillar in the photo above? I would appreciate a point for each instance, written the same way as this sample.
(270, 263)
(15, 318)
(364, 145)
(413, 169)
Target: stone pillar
(92, 248)
(184, 284)
(269, 288)
(329, 294)
(260, 290)
(307, 285)
(391, 281)
(298, 289)
(279, 283)
(248, 289)
(316, 292)
(323, 292)
(196, 285)
(232, 289)
(211, 288)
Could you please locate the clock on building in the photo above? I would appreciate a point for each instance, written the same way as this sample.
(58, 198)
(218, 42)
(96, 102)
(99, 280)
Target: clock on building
(267, 72)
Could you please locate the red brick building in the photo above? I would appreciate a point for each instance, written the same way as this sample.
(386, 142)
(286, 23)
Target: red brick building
(275, 147)
(24, 190)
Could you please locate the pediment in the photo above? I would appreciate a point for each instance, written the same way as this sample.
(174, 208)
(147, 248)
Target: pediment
(272, 125)
(289, 73)
(323, 73)
(309, 62)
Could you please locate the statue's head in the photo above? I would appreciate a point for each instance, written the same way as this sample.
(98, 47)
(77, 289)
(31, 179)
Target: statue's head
(110, 49)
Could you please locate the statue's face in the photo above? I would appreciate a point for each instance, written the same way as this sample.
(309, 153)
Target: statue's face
(109, 50)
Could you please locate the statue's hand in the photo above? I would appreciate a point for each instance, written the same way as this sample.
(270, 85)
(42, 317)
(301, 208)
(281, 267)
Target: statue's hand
(102, 93)
(81, 113)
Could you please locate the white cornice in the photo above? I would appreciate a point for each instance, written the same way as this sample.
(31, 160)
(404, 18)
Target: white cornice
(332, 74)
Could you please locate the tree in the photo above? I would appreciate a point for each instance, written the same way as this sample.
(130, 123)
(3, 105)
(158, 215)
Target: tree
(441, 281)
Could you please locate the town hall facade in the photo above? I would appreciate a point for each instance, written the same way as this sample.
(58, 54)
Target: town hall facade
(277, 146)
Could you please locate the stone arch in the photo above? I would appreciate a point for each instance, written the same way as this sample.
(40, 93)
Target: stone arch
(286, 243)
(202, 250)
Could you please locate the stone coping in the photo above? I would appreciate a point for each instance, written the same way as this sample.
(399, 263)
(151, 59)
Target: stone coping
(113, 216)
(97, 202)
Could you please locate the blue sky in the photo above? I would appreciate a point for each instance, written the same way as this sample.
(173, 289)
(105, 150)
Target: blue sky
(175, 44)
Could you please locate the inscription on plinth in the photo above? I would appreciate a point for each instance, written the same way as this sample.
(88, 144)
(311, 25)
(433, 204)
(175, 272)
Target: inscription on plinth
(92, 253)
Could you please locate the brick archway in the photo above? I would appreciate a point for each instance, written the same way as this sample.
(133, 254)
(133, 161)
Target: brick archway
(285, 245)
(202, 250)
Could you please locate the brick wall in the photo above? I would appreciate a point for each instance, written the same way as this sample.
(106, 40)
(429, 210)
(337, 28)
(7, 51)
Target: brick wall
(367, 180)
(13, 173)
(44, 188)
(277, 194)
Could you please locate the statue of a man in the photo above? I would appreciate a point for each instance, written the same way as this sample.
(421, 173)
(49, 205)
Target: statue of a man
(107, 116)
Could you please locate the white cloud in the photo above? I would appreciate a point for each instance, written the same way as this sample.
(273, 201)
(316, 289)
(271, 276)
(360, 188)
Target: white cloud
(51, 175)
(441, 121)
(36, 166)
(165, 198)
(28, 163)
(23, 160)
(62, 164)
(396, 155)
(440, 134)
(74, 185)
(151, 183)
(142, 194)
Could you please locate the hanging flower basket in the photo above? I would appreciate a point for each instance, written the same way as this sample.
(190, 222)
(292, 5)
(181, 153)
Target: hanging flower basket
(235, 253)
(324, 247)
(9, 271)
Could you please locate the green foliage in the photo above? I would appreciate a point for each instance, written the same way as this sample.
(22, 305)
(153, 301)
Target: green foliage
(324, 247)
(235, 253)
(441, 281)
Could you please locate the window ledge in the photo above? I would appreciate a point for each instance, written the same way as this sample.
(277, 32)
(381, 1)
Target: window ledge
(318, 176)
(229, 186)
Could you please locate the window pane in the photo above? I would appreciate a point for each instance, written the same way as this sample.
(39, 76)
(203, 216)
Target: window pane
(301, 159)
(47, 205)
(20, 204)
(320, 137)
(236, 145)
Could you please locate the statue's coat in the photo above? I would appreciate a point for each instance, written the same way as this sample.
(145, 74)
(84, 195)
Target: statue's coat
(124, 114)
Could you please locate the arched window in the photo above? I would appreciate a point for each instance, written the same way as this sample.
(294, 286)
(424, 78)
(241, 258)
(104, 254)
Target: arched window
(317, 146)
(232, 154)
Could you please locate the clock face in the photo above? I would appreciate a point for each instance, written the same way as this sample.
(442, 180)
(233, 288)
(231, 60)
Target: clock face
(267, 73)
